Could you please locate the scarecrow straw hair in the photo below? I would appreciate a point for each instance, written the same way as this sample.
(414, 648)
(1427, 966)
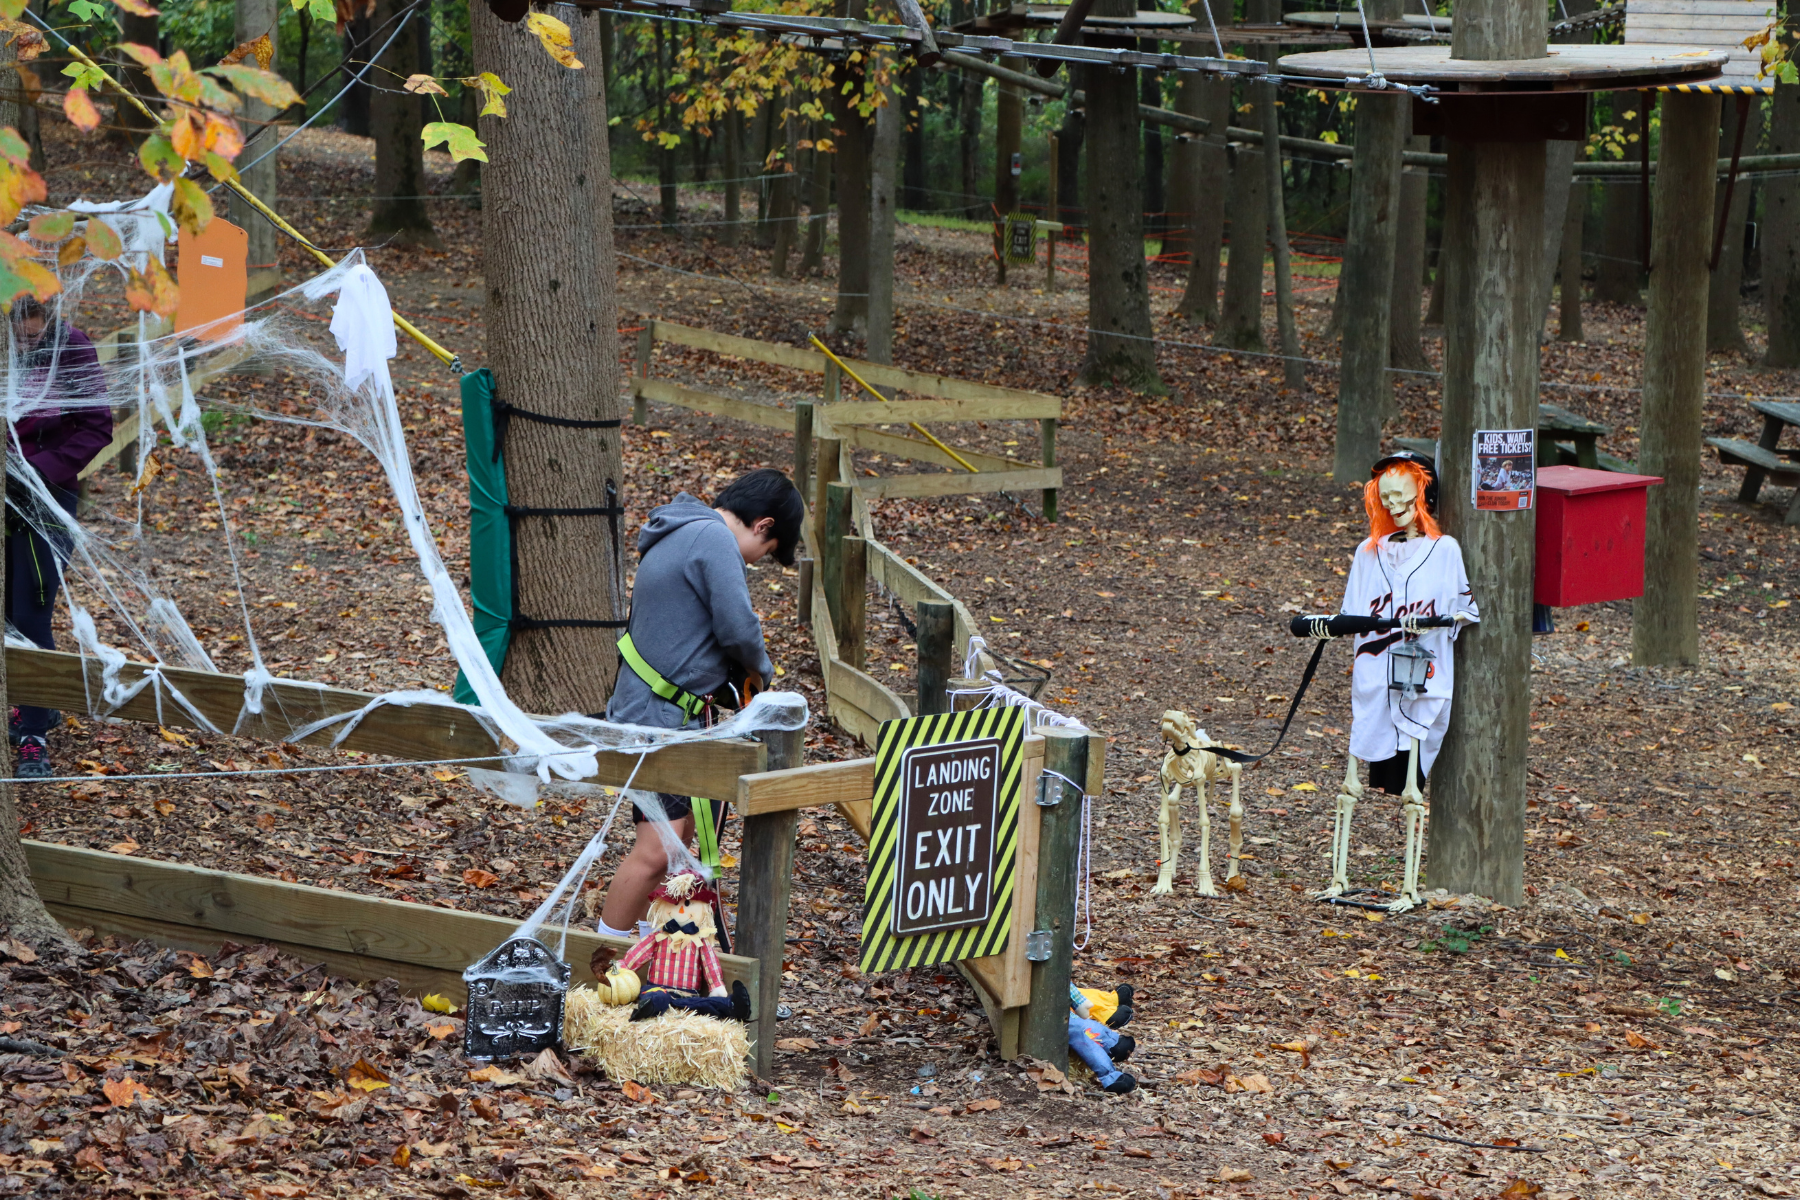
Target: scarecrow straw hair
(676, 1047)
(680, 887)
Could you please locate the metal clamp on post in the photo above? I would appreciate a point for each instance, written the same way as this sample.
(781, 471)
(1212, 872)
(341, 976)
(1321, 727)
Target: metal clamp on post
(1037, 945)
(1048, 799)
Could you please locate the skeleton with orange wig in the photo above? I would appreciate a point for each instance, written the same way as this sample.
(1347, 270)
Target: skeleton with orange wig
(676, 963)
(1408, 569)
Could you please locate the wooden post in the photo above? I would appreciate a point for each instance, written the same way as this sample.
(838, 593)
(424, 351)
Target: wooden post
(840, 524)
(1568, 328)
(763, 882)
(646, 342)
(803, 446)
(1665, 625)
(935, 645)
(1046, 1032)
(803, 606)
(1366, 284)
(853, 599)
(825, 455)
(1047, 435)
(1050, 214)
(1493, 253)
(834, 382)
(1009, 128)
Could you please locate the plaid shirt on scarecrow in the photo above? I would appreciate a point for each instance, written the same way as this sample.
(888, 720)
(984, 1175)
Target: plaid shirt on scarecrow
(685, 966)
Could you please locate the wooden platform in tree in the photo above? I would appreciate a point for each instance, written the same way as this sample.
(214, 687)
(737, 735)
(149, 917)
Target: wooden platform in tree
(1564, 68)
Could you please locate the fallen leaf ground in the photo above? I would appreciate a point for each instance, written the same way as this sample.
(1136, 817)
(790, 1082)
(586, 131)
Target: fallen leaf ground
(1627, 1032)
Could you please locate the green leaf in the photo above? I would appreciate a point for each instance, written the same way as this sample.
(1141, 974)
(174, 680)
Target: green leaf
(84, 76)
(159, 159)
(52, 227)
(13, 148)
(220, 168)
(460, 140)
(258, 84)
(12, 10)
(322, 10)
(192, 207)
(87, 10)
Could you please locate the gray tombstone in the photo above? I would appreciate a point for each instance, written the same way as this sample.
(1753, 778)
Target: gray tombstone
(516, 997)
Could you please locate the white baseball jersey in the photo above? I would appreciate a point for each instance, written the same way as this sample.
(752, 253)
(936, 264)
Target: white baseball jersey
(1418, 577)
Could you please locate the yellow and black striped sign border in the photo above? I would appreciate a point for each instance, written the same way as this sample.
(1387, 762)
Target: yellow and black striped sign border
(1720, 89)
(881, 950)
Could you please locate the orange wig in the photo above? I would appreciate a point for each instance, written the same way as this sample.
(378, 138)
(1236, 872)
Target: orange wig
(1380, 523)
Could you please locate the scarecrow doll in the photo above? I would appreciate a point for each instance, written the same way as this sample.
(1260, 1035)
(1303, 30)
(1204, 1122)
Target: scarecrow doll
(676, 962)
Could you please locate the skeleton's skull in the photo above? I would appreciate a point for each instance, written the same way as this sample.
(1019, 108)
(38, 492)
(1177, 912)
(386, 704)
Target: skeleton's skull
(1178, 729)
(1400, 496)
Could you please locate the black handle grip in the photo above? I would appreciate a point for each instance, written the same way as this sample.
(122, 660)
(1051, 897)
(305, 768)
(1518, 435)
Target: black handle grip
(1339, 625)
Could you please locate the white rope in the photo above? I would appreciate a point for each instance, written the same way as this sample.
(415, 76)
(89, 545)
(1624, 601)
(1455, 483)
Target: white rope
(1084, 860)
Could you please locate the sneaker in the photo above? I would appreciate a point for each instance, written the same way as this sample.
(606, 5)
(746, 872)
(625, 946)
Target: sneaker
(1127, 995)
(33, 758)
(1122, 1048)
(1121, 1017)
(1126, 1082)
(740, 1001)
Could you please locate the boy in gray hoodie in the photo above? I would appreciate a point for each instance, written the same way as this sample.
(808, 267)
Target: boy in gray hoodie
(692, 628)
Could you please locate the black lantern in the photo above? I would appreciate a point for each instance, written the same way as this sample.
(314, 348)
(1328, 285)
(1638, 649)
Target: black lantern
(1409, 666)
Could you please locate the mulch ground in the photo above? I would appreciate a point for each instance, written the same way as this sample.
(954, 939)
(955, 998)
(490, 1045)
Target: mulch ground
(1628, 1031)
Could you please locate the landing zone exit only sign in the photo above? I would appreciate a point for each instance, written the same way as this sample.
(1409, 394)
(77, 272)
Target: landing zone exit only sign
(943, 838)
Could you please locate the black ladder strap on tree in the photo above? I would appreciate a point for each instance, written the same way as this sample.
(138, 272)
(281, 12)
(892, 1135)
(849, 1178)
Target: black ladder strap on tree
(503, 414)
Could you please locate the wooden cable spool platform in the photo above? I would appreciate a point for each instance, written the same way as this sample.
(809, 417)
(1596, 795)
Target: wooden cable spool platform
(1563, 68)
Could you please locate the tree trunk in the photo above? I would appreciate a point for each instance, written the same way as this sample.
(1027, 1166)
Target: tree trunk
(552, 321)
(353, 117)
(1781, 234)
(1119, 350)
(254, 18)
(784, 205)
(668, 197)
(1569, 324)
(1209, 98)
(1559, 175)
(913, 196)
(133, 126)
(969, 146)
(1618, 274)
(884, 181)
(1185, 183)
(1292, 369)
(1155, 197)
(400, 216)
(1406, 335)
(852, 312)
(22, 912)
(732, 130)
(818, 204)
(1069, 138)
(764, 125)
(1723, 330)
(1009, 128)
(1493, 249)
(1366, 285)
(465, 181)
(1665, 623)
(1240, 315)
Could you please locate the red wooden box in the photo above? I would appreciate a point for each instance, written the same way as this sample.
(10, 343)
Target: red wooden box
(1590, 535)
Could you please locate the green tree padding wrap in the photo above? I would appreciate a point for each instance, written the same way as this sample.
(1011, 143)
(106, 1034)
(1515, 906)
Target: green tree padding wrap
(490, 537)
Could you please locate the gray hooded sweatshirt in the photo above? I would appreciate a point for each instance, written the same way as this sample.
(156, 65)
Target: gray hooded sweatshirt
(690, 612)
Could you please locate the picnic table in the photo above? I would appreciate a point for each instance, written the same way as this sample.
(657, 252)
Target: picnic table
(1765, 460)
(1556, 425)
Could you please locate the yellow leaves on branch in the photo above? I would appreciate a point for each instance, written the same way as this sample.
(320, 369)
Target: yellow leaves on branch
(261, 49)
(27, 41)
(459, 140)
(424, 85)
(491, 92)
(555, 37)
(152, 290)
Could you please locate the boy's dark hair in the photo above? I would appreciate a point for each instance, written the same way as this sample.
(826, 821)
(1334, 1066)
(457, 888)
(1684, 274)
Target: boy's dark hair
(766, 492)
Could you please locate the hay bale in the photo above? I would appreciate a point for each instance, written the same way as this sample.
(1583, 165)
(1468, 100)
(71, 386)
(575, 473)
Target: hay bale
(676, 1047)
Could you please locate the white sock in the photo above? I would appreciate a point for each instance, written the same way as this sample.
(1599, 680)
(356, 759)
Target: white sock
(609, 930)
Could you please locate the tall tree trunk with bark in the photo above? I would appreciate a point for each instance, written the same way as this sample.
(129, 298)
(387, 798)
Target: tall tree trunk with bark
(818, 203)
(852, 129)
(1406, 335)
(667, 194)
(784, 205)
(1723, 329)
(1366, 285)
(1009, 127)
(22, 911)
(400, 215)
(254, 19)
(552, 321)
(884, 180)
(1240, 315)
(1619, 271)
(731, 128)
(1069, 137)
(1210, 98)
(764, 126)
(353, 116)
(913, 194)
(1568, 328)
(1120, 351)
(1155, 193)
(1781, 234)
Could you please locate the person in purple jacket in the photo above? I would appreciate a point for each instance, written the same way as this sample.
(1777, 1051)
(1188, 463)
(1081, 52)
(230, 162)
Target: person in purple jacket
(56, 368)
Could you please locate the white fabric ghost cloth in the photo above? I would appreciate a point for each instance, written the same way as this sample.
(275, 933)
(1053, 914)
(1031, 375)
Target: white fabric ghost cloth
(1418, 577)
(363, 324)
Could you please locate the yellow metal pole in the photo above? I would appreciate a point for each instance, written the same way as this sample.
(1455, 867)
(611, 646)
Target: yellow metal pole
(924, 432)
(400, 322)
